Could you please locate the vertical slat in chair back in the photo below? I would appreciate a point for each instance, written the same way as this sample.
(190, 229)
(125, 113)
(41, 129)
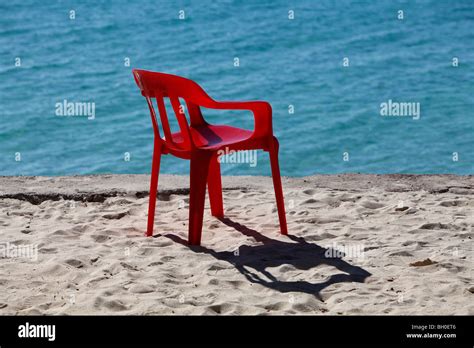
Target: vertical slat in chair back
(158, 86)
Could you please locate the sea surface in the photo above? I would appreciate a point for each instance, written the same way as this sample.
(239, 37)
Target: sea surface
(326, 108)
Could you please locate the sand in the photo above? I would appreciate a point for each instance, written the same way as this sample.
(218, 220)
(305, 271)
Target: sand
(358, 244)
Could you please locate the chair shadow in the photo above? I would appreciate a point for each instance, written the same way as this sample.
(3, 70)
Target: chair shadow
(251, 260)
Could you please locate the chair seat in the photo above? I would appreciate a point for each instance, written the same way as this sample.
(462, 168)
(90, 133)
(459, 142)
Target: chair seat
(212, 137)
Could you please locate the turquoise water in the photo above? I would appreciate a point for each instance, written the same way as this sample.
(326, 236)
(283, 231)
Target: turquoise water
(295, 62)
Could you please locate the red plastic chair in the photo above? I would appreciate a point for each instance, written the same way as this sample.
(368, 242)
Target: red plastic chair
(200, 142)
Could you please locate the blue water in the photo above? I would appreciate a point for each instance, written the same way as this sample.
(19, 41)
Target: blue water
(297, 62)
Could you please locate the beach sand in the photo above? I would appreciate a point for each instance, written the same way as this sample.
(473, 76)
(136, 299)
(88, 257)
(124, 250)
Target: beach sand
(407, 243)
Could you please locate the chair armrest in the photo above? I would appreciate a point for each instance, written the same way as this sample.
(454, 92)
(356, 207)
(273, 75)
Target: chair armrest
(262, 112)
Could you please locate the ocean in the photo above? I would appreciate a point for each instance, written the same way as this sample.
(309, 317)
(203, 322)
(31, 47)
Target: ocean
(355, 86)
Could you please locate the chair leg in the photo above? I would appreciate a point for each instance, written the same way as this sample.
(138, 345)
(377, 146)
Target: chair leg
(277, 186)
(155, 171)
(197, 194)
(214, 186)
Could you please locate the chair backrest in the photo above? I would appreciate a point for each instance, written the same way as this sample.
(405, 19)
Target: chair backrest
(155, 85)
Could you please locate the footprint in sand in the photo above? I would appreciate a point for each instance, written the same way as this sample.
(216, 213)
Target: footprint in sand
(309, 201)
(100, 238)
(453, 203)
(438, 226)
(48, 251)
(75, 263)
(113, 305)
(349, 198)
(141, 289)
(401, 253)
(309, 192)
(116, 216)
(224, 308)
(372, 205)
